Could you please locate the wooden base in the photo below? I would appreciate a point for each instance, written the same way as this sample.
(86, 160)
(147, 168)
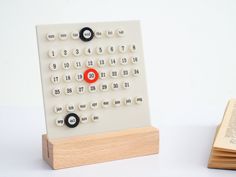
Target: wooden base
(83, 150)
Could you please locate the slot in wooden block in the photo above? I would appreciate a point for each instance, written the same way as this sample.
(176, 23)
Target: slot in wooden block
(84, 150)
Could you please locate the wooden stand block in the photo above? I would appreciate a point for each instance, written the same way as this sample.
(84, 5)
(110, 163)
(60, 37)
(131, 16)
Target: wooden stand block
(83, 150)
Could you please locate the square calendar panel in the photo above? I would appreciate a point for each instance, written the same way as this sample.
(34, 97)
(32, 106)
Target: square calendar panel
(93, 78)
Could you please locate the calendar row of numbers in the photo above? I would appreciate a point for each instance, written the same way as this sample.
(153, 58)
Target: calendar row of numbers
(111, 49)
(78, 64)
(92, 88)
(51, 36)
(79, 76)
(72, 118)
(98, 104)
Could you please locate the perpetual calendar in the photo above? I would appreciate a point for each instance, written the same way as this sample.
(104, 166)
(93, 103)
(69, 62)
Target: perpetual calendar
(93, 78)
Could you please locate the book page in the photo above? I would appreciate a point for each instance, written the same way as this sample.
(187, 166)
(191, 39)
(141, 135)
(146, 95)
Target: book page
(226, 136)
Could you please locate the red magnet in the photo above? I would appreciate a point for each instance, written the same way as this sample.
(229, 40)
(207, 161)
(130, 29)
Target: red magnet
(91, 75)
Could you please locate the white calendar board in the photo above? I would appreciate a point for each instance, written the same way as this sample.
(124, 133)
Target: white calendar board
(93, 78)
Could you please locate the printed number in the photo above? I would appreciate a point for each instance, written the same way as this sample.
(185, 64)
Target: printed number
(112, 61)
(115, 85)
(126, 85)
(67, 77)
(69, 90)
(55, 79)
(125, 72)
(122, 48)
(124, 60)
(66, 65)
(81, 89)
(56, 92)
(101, 62)
(79, 77)
(102, 75)
(92, 88)
(65, 52)
(112, 49)
(114, 74)
(100, 50)
(91, 75)
(77, 51)
(136, 71)
(53, 53)
(104, 87)
(135, 59)
(88, 51)
(133, 47)
(78, 64)
(54, 66)
(90, 63)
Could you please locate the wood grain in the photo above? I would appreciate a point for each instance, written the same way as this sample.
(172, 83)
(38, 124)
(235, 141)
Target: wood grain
(83, 150)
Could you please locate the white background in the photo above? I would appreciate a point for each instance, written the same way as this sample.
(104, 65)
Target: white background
(190, 56)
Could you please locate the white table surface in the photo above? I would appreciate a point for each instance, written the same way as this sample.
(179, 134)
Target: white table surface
(184, 151)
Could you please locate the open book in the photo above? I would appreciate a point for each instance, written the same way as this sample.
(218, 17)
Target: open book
(223, 154)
